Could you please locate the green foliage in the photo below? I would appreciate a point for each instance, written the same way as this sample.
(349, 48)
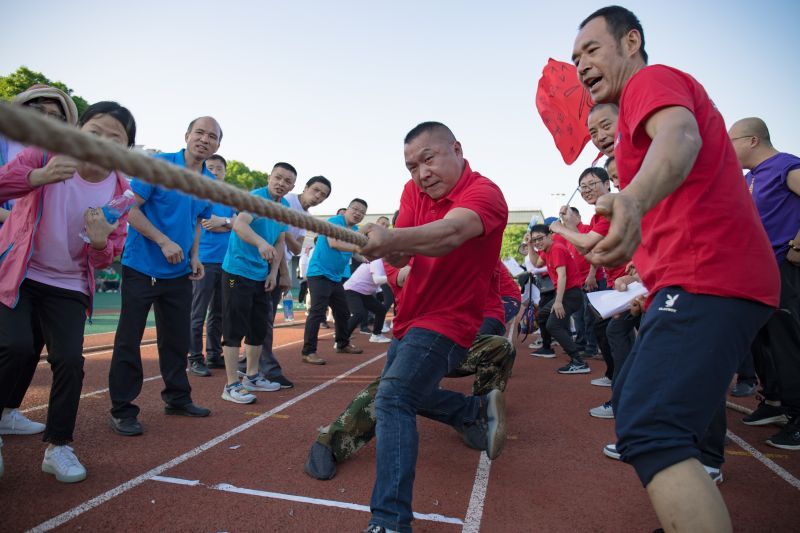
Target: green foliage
(512, 237)
(240, 175)
(19, 81)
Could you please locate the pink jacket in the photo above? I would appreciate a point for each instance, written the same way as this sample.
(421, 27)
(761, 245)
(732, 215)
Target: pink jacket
(18, 232)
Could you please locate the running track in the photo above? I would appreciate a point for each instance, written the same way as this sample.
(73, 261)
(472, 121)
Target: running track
(242, 468)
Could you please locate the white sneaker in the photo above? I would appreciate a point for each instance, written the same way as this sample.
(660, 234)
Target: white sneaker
(386, 328)
(62, 463)
(602, 411)
(535, 344)
(379, 339)
(260, 384)
(15, 423)
(610, 450)
(601, 382)
(237, 394)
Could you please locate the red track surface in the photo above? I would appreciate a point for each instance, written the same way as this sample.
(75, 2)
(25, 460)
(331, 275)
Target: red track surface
(551, 476)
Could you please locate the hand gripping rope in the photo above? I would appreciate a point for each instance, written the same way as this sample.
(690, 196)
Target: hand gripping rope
(31, 128)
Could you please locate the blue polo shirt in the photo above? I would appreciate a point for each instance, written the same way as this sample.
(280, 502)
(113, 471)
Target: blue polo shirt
(243, 258)
(329, 262)
(174, 214)
(213, 245)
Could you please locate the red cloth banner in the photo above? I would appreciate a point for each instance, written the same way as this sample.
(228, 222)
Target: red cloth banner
(564, 104)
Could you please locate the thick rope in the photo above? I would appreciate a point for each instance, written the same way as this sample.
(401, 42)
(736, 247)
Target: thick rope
(30, 127)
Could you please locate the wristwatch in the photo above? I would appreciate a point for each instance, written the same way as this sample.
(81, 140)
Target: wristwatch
(794, 246)
(228, 222)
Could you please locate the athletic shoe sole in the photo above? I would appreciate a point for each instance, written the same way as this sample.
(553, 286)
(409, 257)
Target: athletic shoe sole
(47, 469)
(600, 415)
(544, 355)
(611, 452)
(784, 446)
(779, 419)
(600, 383)
(228, 397)
(575, 371)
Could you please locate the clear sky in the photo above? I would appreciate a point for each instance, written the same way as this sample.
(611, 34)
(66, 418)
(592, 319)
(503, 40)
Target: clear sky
(333, 87)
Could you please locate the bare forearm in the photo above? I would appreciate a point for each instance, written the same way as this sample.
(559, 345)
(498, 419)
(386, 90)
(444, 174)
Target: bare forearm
(196, 242)
(669, 160)
(293, 244)
(561, 287)
(141, 224)
(583, 242)
(246, 233)
(434, 239)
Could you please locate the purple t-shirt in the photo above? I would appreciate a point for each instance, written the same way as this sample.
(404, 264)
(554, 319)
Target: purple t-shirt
(778, 206)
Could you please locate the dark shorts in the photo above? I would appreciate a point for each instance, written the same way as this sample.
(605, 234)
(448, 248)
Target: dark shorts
(245, 310)
(510, 307)
(677, 374)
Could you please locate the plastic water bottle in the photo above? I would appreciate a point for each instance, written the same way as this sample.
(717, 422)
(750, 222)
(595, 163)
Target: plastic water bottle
(288, 312)
(114, 209)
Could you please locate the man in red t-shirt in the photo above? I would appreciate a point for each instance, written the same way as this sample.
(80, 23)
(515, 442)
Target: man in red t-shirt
(451, 222)
(554, 315)
(705, 306)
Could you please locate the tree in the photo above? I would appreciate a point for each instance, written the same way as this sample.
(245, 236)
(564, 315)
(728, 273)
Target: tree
(19, 81)
(240, 175)
(512, 237)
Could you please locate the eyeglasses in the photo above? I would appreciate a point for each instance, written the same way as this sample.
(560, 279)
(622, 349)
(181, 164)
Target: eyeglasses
(536, 240)
(42, 109)
(589, 186)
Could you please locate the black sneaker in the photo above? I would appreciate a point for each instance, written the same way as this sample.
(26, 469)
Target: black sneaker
(546, 353)
(321, 464)
(743, 389)
(575, 366)
(766, 414)
(789, 437)
(199, 368)
(282, 381)
(127, 427)
(189, 409)
(215, 362)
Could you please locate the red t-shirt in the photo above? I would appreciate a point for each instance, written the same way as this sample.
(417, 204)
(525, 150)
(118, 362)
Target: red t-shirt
(686, 238)
(493, 306)
(599, 224)
(508, 285)
(448, 294)
(613, 273)
(558, 255)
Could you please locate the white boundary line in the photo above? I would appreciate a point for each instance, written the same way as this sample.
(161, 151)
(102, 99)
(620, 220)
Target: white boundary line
(472, 522)
(135, 482)
(766, 461)
(225, 487)
(101, 391)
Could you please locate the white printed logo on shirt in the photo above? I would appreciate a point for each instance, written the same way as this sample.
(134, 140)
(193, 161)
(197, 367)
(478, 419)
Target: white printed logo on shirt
(670, 303)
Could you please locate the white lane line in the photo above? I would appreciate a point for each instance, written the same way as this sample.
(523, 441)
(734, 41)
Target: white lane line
(87, 395)
(472, 522)
(225, 487)
(766, 461)
(135, 482)
(101, 391)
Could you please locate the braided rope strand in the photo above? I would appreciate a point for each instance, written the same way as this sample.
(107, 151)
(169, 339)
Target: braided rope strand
(30, 127)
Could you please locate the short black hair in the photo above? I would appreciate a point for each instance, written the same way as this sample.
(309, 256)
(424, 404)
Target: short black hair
(383, 216)
(608, 162)
(597, 107)
(112, 109)
(575, 210)
(598, 172)
(540, 228)
(358, 200)
(217, 157)
(427, 127)
(191, 125)
(394, 217)
(285, 166)
(619, 22)
(320, 179)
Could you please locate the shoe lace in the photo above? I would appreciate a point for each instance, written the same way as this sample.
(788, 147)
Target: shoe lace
(65, 457)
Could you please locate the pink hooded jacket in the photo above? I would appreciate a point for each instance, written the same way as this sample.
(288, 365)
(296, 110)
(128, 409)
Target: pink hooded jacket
(18, 233)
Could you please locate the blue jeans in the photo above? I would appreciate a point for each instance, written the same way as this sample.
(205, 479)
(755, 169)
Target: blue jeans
(409, 385)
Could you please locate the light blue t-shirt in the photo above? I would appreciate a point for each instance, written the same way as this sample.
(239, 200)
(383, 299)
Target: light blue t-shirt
(214, 244)
(329, 262)
(243, 258)
(174, 214)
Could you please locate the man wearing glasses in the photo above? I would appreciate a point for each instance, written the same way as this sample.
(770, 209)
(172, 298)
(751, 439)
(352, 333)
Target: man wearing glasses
(325, 273)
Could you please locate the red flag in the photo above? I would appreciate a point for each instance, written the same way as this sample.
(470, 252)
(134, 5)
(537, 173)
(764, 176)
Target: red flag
(564, 105)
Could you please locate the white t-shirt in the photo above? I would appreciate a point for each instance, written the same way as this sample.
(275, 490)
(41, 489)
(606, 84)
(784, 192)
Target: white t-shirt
(298, 233)
(367, 279)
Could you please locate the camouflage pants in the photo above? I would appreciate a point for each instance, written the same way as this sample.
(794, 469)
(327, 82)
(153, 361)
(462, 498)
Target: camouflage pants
(490, 359)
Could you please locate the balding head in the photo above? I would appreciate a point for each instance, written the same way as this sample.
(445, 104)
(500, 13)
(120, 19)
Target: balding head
(751, 142)
(202, 138)
(751, 127)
